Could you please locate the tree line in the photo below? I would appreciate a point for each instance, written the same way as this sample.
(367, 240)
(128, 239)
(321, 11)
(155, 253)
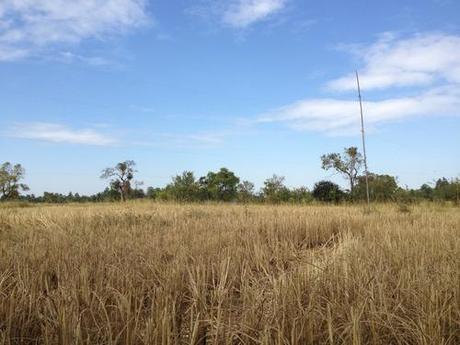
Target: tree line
(225, 186)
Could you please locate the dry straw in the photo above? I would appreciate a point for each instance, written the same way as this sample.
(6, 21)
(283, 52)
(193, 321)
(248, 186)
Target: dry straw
(146, 273)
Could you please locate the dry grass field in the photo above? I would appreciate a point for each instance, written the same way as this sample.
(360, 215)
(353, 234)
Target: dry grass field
(148, 273)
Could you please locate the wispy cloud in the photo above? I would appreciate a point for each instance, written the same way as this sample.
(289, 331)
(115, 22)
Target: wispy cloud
(70, 57)
(30, 26)
(428, 63)
(238, 14)
(341, 117)
(416, 61)
(242, 13)
(58, 133)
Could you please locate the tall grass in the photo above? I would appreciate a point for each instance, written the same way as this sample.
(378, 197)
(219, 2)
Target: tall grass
(146, 273)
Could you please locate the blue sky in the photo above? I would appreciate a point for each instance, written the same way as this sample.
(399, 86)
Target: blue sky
(258, 86)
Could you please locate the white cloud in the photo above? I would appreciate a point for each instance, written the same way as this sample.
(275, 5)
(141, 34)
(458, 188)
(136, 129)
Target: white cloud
(27, 26)
(242, 13)
(427, 64)
(57, 133)
(416, 61)
(70, 57)
(237, 13)
(342, 117)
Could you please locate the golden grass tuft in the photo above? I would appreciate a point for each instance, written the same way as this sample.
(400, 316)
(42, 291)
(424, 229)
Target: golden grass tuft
(148, 273)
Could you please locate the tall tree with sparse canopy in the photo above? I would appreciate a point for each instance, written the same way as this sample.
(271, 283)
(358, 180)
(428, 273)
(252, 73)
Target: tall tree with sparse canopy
(10, 177)
(121, 175)
(349, 165)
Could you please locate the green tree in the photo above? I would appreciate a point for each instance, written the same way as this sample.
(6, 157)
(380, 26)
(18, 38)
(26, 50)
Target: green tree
(426, 192)
(274, 190)
(121, 176)
(245, 191)
(446, 190)
(300, 195)
(55, 198)
(381, 187)
(327, 191)
(183, 187)
(349, 165)
(404, 196)
(220, 186)
(153, 193)
(10, 177)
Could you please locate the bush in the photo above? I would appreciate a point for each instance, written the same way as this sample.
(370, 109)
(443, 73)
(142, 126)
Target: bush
(328, 191)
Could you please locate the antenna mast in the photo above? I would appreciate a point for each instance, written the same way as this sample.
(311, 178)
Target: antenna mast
(364, 142)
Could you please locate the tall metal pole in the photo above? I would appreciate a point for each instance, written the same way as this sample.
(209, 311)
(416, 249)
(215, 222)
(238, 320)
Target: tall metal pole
(364, 142)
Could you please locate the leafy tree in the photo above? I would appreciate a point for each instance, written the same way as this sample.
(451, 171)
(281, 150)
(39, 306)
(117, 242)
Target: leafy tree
(349, 165)
(426, 192)
(137, 193)
(183, 187)
(55, 198)
(109, 194)
(442, 183)
(220, 186)
(327, 191)
(121, 176)
(457, 190)
(300, 195)
(153, 193)
(245, 191)
(10, 177)
(445, 189)
(381, 187)
(274, 190)
(404, 196)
